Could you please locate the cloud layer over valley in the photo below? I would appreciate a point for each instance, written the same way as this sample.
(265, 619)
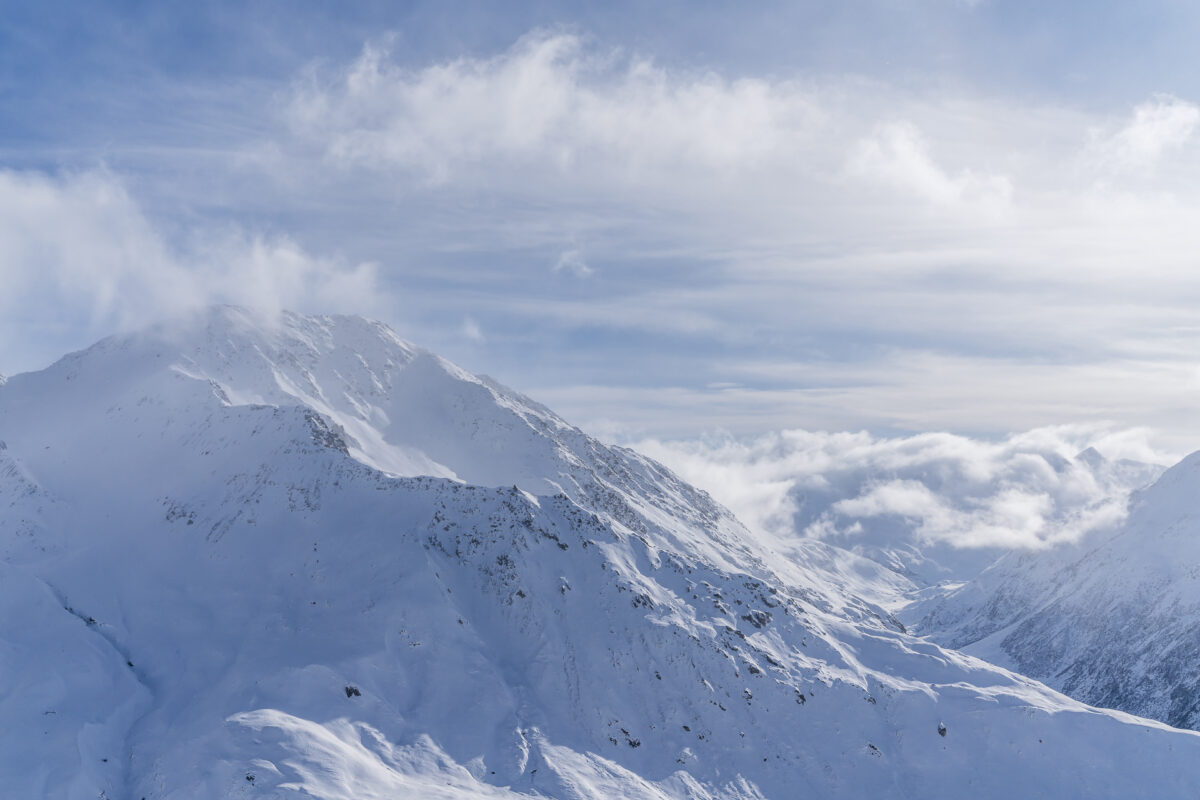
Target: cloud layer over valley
(936, 506)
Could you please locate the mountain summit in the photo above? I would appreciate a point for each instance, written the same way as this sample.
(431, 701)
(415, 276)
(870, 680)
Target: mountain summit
(296, 556)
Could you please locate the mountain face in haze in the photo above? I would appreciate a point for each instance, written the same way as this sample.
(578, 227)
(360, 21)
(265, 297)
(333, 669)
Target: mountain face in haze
(300, 557)
(1114, 622)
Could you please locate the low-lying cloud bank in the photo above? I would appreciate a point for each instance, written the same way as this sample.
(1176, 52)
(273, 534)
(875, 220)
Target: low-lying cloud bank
(934, 493)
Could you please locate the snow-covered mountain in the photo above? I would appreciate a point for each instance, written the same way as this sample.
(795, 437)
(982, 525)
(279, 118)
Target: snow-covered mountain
(299, 557)
(1113, 621)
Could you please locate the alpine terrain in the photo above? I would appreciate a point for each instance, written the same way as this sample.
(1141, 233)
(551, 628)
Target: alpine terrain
(298, 557)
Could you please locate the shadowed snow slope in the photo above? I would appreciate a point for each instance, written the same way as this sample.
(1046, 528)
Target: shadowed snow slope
(1113, 621)
(302, 558)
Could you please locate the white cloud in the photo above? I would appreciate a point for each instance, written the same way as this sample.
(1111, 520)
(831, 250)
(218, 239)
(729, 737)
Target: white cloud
(762, 175)
(471, 331)
(898, 154)
(572, 261)
(1026, 491)
(76, 251)
(549, 103)
(1157, 127)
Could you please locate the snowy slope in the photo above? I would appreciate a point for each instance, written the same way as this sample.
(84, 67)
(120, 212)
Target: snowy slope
(303, 558)
(1115, 621)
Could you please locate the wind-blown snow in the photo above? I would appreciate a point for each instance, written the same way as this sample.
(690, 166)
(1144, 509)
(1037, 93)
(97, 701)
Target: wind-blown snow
(304, 558)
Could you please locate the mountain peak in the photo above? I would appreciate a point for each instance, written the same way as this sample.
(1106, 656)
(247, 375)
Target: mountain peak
(229, 329)
(395, 401)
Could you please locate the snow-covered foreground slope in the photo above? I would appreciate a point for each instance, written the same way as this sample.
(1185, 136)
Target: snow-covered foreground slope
(306, 559)
(1115, 621)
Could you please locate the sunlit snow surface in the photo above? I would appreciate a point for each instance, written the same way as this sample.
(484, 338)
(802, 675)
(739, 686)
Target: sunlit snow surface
(303, 558)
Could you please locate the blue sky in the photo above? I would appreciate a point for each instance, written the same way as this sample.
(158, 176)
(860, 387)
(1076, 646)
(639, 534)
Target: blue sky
(660, 219)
